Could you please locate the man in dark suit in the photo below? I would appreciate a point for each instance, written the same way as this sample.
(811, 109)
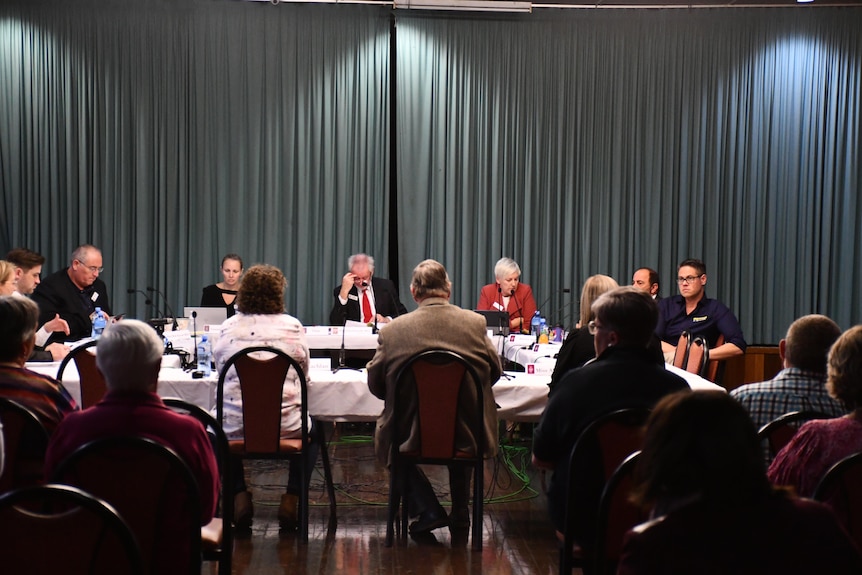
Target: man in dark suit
(646, 280)
(363, 297)
(74, 293)
(437, 324)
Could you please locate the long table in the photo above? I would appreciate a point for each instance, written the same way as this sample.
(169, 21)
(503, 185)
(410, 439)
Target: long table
(338, 396)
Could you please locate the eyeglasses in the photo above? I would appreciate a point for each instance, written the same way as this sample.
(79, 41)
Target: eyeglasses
(593, 327)
(94, 269)
(688, 279)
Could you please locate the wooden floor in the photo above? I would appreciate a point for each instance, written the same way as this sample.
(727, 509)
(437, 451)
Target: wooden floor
(517, 537)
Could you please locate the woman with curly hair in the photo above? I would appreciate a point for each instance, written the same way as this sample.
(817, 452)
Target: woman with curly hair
(261, 321)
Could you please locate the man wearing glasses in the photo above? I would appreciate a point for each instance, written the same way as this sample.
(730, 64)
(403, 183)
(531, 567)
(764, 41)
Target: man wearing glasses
(74, 293)
(692, 311)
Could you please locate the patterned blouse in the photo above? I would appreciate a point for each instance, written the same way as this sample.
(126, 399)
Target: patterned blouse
(280, 331)
(816, 447)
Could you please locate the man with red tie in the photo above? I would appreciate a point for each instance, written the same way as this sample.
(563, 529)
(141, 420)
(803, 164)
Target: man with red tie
(363, 297)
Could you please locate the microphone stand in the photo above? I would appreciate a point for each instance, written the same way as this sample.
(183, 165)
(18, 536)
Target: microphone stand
(147, 300)
(520, 312)
(342, 353)
(195, 335)
(167, 305)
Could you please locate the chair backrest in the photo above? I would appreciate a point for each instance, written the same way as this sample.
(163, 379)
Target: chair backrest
(841, 489)
(680, 356)
(26, 441)
(617, 514)
(698, 357)
(603, 445)
(778, 432)
(93, 384)
(152, 488)
(261, 378)
(713, 366)
(62, 529)
(438, 377)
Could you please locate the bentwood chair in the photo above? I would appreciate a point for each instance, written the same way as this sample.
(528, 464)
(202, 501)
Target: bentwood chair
(93, 385)
(778, 432)
(617, 514)
(62, 529)
(680, 356)
(443, 384)
(841, 489)
(697, 360)
(25, 442)
(262, 371)
(598, 451)
(217, 536)
(153, 489)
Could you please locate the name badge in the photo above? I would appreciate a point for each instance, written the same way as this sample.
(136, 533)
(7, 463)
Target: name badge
(353, 297)
(499, 306)
(95, 296)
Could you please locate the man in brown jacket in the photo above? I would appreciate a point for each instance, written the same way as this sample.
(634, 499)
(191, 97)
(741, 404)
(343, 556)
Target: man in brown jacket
(436, 324)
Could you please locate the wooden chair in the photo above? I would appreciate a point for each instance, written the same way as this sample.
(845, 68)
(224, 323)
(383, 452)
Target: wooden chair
(153, 489)
(680, 356)
(438, 377)
(841, 489)
(600, 449)
(93, 385)
(26, 441)
(778, 432)
(261, 383)
(715, 368)
(697, 360)
(61, 529)
(616, 516)
(217, 536)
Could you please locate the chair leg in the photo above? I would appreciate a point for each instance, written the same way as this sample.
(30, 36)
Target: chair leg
(327, 473)
(303, 496)
(392, 509)
(478, 495)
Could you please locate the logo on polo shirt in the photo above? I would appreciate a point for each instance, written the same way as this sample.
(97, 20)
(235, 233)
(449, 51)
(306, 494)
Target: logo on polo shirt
(701, 318)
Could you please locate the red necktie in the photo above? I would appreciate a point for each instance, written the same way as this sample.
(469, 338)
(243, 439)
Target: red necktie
(366, 307)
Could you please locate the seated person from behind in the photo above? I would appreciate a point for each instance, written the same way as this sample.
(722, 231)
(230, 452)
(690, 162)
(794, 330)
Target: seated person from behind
(261, 321)
(363, 297)
(821, 443)
(509, 294)
(625, 374)
(223, 293)
(74, 293)
(692, 311)
(41, 394)
(8, 281)
(129, 356)
(578, 348)
(29, 272)
(801, 385)
(436, 324)
(701, 477)
(647, 280)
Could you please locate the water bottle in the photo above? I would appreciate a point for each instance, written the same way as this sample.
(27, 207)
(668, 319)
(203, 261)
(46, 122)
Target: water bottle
(536, 325)
(99, 324)
(204, 356)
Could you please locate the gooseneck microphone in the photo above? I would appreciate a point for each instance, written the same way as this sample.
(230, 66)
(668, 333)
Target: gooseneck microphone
(195, 334)
(167, 305)
(147, 300)
(520, 311)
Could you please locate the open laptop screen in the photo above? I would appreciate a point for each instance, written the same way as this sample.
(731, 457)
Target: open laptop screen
(498, 321)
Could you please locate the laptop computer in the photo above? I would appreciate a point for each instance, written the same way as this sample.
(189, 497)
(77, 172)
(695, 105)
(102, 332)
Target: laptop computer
(497, 321)
(206, 316)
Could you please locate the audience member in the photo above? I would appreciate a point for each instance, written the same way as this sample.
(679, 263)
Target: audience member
(624, 374)
(29, 272)
(801, 385)
(261, 321)
(129, 355)
(647, 280)
(697, 314)
(41, 394)
(364, 297)
(510, 295)
(701, 476)
(436, 324)
(578, 348)
(8, 281)
(223, 293)
(821, 443)
(74, 293)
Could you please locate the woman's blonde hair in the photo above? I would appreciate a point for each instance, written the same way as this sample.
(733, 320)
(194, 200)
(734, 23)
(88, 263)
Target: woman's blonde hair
(594, 287)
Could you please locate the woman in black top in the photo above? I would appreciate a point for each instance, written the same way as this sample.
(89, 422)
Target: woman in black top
(223, 294)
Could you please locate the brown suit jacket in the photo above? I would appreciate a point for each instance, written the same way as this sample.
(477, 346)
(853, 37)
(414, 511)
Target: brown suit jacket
(436, 324)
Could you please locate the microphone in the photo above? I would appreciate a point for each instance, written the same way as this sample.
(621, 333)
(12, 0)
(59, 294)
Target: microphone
(342, 353)
(553, 293)
(195, 334)
(167, 305)
(147, 300)
(520, 311)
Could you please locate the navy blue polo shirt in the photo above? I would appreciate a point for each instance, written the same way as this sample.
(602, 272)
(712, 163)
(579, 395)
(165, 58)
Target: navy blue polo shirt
(709, 319)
